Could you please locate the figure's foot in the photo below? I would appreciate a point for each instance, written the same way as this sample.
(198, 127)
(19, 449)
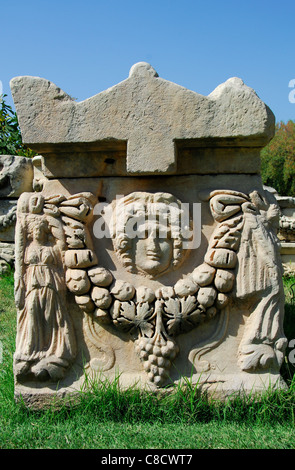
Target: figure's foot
(40, 373)
(50, 368)
(22, 370)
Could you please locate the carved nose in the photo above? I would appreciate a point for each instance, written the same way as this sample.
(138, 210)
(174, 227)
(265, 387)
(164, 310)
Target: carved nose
(153, 245)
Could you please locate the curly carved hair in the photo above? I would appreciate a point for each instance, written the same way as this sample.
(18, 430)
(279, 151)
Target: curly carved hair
(37, 220)
(125, 209)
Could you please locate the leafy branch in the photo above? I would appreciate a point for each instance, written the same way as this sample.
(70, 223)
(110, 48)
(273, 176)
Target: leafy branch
(10, 135)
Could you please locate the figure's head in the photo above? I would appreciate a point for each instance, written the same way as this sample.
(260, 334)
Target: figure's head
(147, 236)
(38, 228)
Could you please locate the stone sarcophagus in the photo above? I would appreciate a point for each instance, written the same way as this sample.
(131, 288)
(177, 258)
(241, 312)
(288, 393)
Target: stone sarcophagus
(149, 252)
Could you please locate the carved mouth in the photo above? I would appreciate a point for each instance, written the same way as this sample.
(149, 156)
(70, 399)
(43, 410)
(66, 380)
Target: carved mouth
(153, 256)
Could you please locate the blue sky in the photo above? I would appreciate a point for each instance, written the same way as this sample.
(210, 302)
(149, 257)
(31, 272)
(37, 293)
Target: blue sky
(87, 46)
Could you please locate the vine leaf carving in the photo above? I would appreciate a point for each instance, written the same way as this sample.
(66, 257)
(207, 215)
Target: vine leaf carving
(127, 316)
(188, 304)
(183, 314)
(136, 317)
(144, 315)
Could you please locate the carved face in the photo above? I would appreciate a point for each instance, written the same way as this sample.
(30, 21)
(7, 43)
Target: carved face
(39, 233)
(39, 230)
(153, 254)
(147, 238)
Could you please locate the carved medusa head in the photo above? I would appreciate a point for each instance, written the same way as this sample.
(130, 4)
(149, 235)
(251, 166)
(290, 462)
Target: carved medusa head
(147, 235)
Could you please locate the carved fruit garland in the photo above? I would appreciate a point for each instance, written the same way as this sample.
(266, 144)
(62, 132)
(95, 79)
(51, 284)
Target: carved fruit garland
(155, 317)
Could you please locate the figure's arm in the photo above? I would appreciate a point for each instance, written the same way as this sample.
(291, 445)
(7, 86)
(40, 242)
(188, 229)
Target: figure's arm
(20, 243)
(59, 244)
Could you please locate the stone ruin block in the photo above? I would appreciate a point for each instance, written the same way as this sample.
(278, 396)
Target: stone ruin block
(286, 233)
(150, 251)
(16, 177)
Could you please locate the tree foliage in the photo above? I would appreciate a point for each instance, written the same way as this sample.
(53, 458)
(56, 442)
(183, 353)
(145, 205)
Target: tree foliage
(278, 160)
(10, 135)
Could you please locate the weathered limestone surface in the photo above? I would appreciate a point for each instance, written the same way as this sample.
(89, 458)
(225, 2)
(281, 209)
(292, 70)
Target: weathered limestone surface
(286, 233)
(16, 176)
(148, 248)
(152, 114)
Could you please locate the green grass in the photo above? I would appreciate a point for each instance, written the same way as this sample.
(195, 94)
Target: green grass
(106, 417)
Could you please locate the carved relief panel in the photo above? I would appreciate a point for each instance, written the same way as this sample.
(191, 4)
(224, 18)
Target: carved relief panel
(142, 269)
(55, 253)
